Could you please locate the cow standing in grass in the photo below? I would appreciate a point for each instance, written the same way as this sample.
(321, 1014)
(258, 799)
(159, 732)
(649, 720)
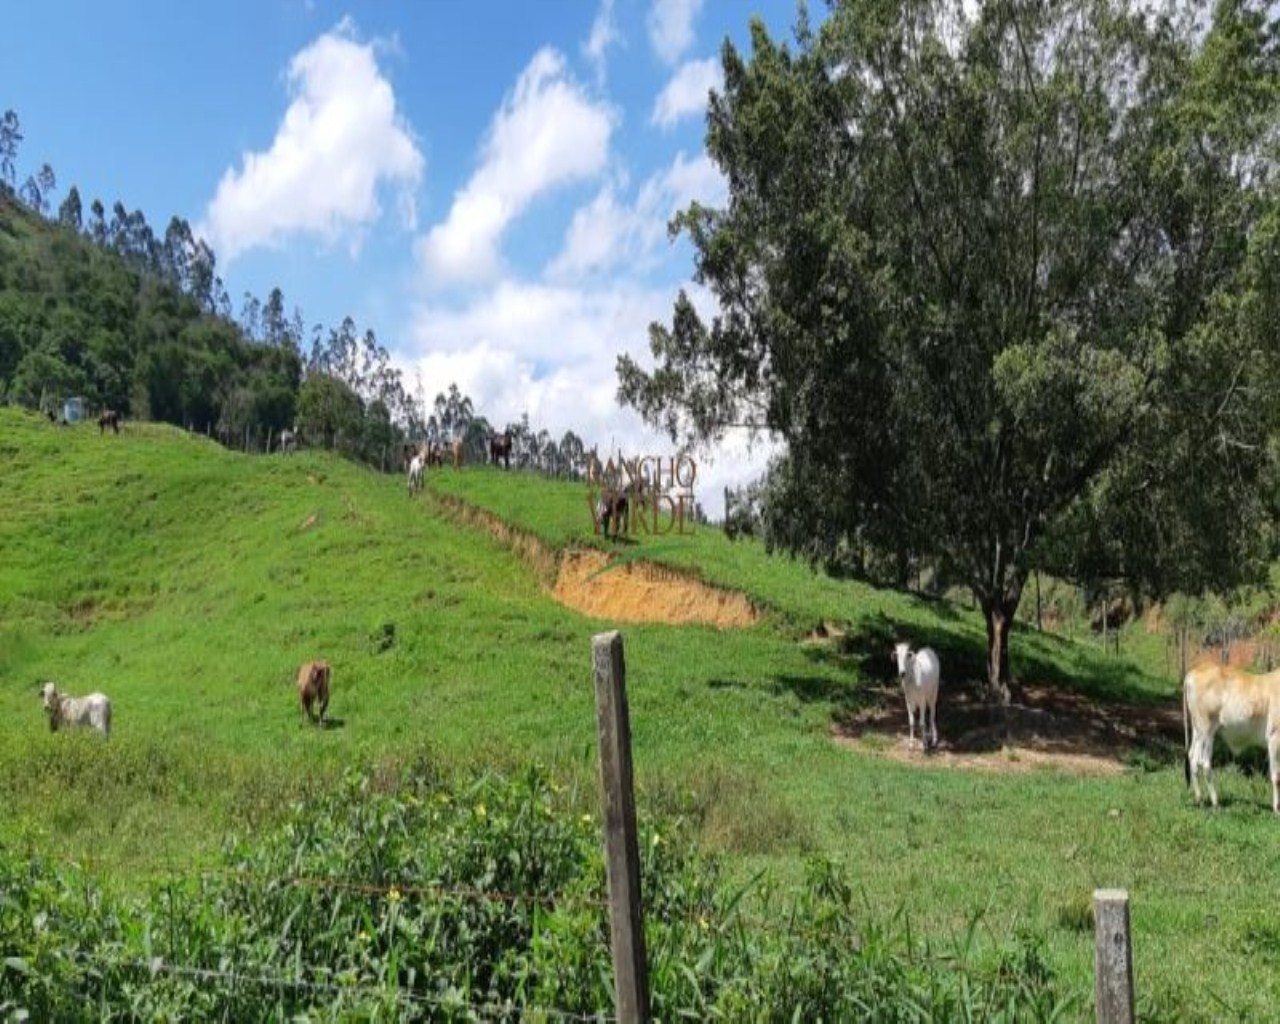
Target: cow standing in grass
(91, 712)
(612, 507)
(313, 689)
(1243, 707)
(500, 449)
(416, 466)
(920, 673)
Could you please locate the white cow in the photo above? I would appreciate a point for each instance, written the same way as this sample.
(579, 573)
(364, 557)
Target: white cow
(920, 672)
(93, 711)
(416, 465)
(1243, 706)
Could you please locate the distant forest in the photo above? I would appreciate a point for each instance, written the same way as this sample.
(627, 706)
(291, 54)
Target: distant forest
(95, 304)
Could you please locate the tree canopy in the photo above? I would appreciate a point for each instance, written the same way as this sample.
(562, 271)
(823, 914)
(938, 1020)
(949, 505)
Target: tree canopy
(1005, 282)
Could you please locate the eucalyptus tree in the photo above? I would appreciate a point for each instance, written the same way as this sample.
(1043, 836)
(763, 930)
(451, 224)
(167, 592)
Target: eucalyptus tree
(10, 137)
(1005, 281)
(69, 213)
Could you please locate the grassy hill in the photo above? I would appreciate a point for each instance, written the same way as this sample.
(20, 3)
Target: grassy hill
(188, 582)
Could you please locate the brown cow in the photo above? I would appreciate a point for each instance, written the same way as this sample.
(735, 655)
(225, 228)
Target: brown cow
(500, 449)
(457, 454)
(313, 687)
(612, 506)
(109, 418)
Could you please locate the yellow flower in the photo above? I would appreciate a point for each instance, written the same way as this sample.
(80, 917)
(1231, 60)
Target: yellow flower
(656, 839)
(394, 895)
(702, 922)
(586, 819)
(480, 811)
(364, 936)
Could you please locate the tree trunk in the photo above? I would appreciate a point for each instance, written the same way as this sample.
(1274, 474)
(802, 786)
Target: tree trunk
(999, 617)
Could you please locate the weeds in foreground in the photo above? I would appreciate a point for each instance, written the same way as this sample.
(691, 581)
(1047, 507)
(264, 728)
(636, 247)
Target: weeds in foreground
(416, 898)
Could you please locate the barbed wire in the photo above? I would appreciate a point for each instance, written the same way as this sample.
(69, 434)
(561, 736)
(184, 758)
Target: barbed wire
(705, 918)
(491, 1010)
(168, 871)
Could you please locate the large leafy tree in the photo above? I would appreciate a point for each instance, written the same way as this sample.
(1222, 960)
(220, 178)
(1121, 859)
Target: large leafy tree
(330, 413)
(1005, 281)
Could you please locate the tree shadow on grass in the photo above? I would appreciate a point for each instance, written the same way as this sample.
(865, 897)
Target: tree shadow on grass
(1106, 708)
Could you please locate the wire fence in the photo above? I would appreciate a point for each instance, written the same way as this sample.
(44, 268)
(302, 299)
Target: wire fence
(743, 917)
(156, 966)
(166, 871)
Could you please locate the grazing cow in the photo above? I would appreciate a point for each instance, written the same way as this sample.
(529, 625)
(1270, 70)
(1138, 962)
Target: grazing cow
(313, 688)
(1243, 706)
(435, 454)
(612, 506)
(919, 672)
(416, 465)
(109, 418)
(457, 453)
(500, 449)
(92, 712)
(288, 441)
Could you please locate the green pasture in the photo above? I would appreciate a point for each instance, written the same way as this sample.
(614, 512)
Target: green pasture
(188, 582)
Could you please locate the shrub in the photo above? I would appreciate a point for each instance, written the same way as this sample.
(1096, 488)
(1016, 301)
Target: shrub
(408, 897)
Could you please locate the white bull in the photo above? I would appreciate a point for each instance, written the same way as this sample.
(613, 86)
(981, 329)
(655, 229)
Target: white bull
(92, 712)
(416, 465)
(920, 672)
(1243, 706)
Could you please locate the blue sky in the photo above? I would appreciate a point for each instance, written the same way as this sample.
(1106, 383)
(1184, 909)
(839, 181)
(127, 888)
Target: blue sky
(485, 186)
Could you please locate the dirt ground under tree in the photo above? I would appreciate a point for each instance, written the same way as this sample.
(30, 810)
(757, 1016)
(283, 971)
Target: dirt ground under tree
(1042, 727)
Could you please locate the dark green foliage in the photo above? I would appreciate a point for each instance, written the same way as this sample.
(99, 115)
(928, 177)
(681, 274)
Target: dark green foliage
(407, 898)
(125, 329)
(1004, 279)
(106, 310)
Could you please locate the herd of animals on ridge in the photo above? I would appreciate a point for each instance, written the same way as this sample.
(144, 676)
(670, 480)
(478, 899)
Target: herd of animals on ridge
(1242, 707)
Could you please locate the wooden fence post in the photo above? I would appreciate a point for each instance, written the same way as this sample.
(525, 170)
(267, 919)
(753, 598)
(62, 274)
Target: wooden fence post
(622, 851)
(1112, 957)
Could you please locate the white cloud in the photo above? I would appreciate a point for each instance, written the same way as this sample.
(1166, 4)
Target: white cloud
(551, 352)
(686, 93)
(671, 27)
(606, 234)
(547, 133)
(340, 140)
(604, 33)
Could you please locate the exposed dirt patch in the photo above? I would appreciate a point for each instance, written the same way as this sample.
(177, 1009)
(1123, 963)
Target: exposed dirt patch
(595, 583)
(1046, 728)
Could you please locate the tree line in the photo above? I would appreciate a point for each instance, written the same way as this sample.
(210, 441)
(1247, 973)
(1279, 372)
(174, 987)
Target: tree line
(97, 304)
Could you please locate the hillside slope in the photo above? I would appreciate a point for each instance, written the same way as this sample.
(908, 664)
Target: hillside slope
(187, 582)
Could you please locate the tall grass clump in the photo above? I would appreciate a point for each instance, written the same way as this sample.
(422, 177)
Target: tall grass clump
(413, 898)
